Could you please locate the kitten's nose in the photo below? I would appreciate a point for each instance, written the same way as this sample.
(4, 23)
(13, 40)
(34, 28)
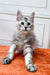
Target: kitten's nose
(25, 28)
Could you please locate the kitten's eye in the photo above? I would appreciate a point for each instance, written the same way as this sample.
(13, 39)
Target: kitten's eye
(28, 23)
(22, 23)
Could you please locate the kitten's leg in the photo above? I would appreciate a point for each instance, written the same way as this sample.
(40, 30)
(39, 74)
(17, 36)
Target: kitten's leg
(10, 55)
(28, 60)
(34, 45)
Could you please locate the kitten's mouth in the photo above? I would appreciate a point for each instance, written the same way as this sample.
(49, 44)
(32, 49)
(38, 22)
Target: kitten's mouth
(24, 30)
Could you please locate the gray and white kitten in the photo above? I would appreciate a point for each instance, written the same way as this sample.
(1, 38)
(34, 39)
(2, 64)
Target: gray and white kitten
(23, 41)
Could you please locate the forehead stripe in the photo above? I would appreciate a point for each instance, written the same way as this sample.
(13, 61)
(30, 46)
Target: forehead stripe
(26, 19)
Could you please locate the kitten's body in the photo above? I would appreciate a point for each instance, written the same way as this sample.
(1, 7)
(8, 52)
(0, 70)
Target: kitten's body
(23, 40)
(20, 40)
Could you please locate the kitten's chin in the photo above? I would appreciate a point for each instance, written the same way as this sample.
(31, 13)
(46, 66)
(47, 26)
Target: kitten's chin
(24, 32)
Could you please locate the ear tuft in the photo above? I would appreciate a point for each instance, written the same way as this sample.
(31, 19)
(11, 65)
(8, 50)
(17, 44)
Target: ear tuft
(32, 17)
(19, 15)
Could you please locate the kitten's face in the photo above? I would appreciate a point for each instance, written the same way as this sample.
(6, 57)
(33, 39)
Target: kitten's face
(25, 24)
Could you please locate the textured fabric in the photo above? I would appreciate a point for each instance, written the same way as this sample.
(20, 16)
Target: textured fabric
(41, 59)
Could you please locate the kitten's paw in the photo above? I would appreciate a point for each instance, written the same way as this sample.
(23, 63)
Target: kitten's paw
(5, 60)
(31, 67)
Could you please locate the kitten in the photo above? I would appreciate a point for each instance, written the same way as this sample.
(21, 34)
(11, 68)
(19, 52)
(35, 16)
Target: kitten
(23, 40)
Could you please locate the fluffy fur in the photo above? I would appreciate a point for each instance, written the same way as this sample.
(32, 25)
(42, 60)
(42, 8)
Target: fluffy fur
(23, 41)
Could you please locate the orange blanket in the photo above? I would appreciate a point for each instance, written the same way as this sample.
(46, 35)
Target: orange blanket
(41, 59)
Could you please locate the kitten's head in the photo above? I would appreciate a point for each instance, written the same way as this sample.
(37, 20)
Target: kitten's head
(25, 23)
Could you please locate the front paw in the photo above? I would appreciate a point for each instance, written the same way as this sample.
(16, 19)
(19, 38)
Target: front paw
(31, 67)
(5, 60)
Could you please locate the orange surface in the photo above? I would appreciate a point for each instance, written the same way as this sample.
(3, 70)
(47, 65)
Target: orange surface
(41, 58)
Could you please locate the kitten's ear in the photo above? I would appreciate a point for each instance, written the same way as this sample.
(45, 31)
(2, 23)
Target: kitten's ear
(19, 15)
(32, 17)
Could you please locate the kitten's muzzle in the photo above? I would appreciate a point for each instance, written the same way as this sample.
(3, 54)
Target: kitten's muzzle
(25, 29)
